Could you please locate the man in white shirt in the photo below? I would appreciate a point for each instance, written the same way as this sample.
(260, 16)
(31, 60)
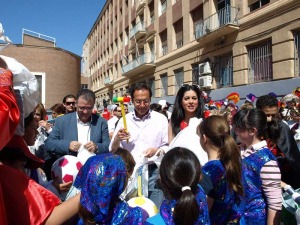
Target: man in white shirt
(146, 136)
(111, 123)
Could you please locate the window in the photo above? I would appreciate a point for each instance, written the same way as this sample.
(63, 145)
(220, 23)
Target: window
(163, 6)
(179, 78)
(151, 48)
(178, 33)
(164, 85)
(257, 4)
(42, 85)
(84, 86)
(116, 71)
(164, 42)
(164, 49)
(297, 52)
(121, 92)
(127, 90)
(197, 17)
(151, 84)
(121, 41)
(126, 36)
(224, 12)
(260, 62)
(151, 10)
(224, 69)
(195, 73)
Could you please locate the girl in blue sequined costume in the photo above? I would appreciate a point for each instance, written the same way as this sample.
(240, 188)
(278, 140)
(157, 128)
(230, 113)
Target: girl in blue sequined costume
(101, 180)
(226, 199)
(185, 202)
(260, 169)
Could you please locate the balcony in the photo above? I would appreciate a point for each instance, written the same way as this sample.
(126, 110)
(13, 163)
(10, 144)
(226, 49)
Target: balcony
(139, 30)
(108, 81)
(140, 7)
(224, 21)
(142, 63)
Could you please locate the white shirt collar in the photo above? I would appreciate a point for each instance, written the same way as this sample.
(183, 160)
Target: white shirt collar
(144, 117)
(82, 123)
(259, 145)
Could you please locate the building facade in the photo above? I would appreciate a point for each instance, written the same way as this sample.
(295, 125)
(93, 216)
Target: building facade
(58, 71)
(224, 46)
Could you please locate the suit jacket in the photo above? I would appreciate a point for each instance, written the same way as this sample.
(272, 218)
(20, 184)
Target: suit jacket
(287, 144)
(65, 131)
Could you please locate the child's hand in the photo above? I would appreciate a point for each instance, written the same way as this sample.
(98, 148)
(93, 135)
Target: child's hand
(61, 187)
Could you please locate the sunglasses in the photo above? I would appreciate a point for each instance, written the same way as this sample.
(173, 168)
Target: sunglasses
(192, 86)
(70, 103)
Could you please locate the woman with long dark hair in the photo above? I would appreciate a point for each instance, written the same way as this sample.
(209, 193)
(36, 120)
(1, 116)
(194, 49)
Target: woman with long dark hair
(187, 105)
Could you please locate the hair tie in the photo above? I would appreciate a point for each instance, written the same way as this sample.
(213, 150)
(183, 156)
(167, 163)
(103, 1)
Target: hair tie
(185, 188)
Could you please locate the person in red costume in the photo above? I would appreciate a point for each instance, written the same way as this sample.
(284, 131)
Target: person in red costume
(9, 111)
(22, 200)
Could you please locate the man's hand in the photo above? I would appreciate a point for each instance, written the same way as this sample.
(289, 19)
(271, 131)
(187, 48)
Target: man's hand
(122, 135)
(91, 147)
(74, 146)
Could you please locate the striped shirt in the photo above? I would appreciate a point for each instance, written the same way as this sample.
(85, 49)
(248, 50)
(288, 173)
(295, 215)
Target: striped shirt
(270, 177)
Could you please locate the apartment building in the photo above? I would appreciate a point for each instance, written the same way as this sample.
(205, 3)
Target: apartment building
(224, 46)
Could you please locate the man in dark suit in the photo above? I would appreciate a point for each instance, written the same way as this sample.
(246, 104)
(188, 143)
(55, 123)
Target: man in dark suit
(284, 139)
(82, 127)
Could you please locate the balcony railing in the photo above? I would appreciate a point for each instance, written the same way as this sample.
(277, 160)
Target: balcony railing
(139, 27)
(142, 59)
(225, 16)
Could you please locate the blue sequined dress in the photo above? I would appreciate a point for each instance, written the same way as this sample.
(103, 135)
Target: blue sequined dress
(256, 208)
(228, 208)
(167, 206)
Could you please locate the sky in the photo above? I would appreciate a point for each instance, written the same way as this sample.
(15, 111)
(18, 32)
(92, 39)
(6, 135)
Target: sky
(68, 21)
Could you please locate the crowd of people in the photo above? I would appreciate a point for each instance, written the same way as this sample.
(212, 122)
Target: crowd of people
(206, 162)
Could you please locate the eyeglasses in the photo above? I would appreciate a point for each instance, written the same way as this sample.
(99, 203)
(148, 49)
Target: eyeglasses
(82, 108)
(70, 103)
(139, 101)
(194, 86)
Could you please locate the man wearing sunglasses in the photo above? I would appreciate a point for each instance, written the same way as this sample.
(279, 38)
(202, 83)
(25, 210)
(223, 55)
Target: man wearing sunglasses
(69, 103)
(80, 130)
